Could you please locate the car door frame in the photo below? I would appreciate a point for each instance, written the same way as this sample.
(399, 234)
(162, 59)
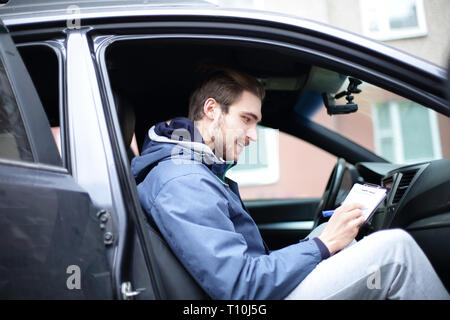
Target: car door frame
(128, 251)
(329, 51)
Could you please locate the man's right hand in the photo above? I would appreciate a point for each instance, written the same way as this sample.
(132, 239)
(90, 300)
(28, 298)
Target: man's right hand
(342, 227)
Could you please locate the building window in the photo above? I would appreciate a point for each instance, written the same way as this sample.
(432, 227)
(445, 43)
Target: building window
(389, 20)
(258, 163)
(406, 132)
(248, 4)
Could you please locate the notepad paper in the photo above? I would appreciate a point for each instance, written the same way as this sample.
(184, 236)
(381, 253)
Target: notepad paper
(368, 196)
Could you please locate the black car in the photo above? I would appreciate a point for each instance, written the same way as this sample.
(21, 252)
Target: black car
(79, 81)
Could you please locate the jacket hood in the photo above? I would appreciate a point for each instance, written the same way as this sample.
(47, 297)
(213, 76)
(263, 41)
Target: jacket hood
(178, 140)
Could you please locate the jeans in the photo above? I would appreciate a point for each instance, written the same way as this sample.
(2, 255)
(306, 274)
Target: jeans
(387, 264)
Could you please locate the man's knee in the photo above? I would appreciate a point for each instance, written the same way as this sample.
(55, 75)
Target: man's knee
(395, 236)
(399, 234)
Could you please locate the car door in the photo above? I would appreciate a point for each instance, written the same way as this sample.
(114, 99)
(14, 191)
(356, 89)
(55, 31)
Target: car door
(283, 221)
(51, 244)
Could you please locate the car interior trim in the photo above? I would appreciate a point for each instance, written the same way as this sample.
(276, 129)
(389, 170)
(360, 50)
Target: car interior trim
(318, 56)
(439, 221)
(291, 225)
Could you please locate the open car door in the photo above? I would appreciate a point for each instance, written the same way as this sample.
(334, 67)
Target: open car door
(51, 245)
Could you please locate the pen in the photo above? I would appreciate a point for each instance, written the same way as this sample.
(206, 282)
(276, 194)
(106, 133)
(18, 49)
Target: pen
(329, 213)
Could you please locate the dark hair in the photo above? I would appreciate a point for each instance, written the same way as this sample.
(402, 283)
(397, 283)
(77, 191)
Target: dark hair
(225, 86)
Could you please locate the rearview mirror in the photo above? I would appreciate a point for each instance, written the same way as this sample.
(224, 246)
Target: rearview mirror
(350, 107)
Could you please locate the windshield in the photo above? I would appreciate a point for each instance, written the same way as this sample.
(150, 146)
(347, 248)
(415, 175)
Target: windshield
(394, 128)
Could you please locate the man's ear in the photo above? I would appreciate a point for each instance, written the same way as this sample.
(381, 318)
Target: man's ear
(209, 108)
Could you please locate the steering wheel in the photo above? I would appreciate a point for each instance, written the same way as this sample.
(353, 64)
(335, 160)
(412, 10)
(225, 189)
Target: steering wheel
(331, 191)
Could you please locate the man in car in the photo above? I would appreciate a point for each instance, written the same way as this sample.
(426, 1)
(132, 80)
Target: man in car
(199, 212)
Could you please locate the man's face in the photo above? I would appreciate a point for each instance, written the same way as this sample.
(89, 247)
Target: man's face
(235, 130)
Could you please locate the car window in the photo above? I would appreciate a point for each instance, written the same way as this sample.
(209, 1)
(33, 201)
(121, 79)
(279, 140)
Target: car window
(281, 166)
(395, 128)
(278, 165)
(259, 163)
(42, 64)
(14, 144)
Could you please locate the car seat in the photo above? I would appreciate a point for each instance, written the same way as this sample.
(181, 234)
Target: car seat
(174, 282)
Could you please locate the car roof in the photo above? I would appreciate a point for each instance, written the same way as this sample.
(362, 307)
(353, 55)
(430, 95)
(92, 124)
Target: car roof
(22, 15)
(54, 9)
(21, 12)
(37, 6)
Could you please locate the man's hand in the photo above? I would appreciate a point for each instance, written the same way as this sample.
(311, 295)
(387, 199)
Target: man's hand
(342, 227)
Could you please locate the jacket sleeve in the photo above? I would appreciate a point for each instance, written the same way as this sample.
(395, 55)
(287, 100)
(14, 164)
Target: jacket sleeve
(192, 214)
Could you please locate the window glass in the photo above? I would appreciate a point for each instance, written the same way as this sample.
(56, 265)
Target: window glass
(403, 14)
(416, 131)
(387, 148)
(258, 163)
(14, 143)
(384, 118)
(395, 128)
(255, 156)
(294, 168)
(391, 126)
(42, 64)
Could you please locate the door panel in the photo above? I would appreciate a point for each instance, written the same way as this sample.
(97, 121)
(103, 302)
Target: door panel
(283, 222)
(51, 243)
(51, 246)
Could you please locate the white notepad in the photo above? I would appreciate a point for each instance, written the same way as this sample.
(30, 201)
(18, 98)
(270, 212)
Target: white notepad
(370, 196)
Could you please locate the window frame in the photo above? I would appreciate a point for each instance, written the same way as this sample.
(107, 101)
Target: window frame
(37, 129)
(59, 49)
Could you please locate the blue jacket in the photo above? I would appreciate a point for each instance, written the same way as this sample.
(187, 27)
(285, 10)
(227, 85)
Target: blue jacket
(200, 214)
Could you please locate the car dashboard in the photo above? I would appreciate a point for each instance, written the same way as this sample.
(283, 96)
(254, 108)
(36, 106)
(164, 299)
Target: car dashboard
(418, 194)
(418, 201)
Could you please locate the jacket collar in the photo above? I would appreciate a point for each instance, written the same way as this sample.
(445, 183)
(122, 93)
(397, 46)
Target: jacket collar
(182, 132)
